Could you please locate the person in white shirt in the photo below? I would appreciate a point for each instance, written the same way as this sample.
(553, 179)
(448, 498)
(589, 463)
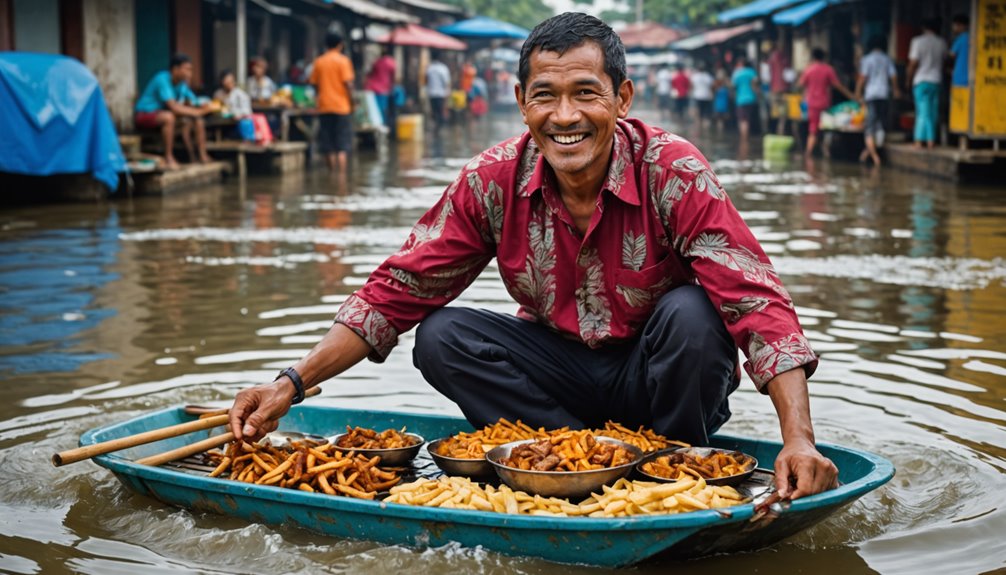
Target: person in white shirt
(702, 92)
(438, 87)
(664, 91)
(925, 70)
(876, 82)
(236, 100)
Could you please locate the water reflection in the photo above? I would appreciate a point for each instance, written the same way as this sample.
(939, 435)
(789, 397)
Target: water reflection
(899, 283)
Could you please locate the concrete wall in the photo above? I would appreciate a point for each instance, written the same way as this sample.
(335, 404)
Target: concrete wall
(36, 26)
(110, 52)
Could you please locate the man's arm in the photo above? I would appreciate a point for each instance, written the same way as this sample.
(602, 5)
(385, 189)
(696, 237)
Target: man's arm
(860, 82)
(181, 109)
(256, 411)
(800, 469)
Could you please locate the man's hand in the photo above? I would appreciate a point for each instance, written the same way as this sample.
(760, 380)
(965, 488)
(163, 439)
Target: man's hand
(801, 470)
(257, 410)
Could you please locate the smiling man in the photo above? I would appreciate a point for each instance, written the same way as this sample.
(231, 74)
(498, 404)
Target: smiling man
(637, 279)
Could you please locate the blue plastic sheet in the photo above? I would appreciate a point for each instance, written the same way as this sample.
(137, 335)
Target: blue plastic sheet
(54, 120)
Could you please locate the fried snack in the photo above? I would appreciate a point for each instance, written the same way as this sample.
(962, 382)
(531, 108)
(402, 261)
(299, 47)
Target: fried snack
(643, 438)
(567, 451)
(363, 438)
(305, 466)
(622, 499)
(476, 444)
(680, 465)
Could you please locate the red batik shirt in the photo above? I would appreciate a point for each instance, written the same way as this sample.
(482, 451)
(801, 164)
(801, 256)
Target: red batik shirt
(662, 220)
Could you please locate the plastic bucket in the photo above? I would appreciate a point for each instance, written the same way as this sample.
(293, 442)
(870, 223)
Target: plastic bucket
(773, 144)
(410, 127)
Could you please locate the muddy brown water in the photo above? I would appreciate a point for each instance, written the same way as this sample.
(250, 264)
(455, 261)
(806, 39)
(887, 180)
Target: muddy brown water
(108, 311)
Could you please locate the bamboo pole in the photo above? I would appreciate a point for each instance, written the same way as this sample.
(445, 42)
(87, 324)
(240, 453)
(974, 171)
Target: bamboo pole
(187, 450)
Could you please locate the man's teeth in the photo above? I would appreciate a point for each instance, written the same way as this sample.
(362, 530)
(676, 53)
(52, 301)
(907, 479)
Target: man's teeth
(568, 139)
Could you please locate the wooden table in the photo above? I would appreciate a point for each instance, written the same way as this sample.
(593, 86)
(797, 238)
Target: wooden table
(288, 115)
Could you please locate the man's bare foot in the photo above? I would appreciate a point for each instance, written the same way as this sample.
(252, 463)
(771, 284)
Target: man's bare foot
(917, 145)
(205, 159)
(170, 164)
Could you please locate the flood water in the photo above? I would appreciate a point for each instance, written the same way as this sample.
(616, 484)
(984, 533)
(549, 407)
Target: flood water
(108, 311)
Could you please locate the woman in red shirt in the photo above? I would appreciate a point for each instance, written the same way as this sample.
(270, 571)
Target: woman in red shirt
(817, 81)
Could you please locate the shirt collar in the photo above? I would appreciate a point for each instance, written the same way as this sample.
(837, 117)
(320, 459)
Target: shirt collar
(620, 181)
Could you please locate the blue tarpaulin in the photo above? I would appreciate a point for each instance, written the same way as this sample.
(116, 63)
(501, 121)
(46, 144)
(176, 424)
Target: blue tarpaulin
(484, 27)
(54, 120)
(754, 9)
(799, 14)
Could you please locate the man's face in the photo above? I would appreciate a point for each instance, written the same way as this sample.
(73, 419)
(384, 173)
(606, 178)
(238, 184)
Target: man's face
(570, 106)
(182, 72)
(958, 28)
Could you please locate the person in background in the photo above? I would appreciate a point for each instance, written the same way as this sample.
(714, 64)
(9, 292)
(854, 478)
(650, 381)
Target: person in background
(261, 88)
(926, 55)
(237, 101)
(702, 92)
(959, 51)
(745, 86)
(778, 62)
(817, 81)
(438, 88)
(681, 87)
(166, 103)
(381, 81)
(333, 76)
(721, 97)
(468, 73)
(663, 90)
(876, 83)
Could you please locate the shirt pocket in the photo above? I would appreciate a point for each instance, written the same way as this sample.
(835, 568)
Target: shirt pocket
(640, 290)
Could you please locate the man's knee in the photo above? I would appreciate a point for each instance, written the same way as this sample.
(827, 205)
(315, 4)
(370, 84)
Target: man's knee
(436, 331)
(685, 317)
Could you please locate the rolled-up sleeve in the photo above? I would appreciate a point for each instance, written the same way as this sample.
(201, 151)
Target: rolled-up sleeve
(445, 251)
(738, 277)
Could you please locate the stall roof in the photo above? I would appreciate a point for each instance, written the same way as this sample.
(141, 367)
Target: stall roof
(433, 6)
(416, 35)
(798, 15)
(369, 9)
(647, 35)
(754, 9)
(713, 37)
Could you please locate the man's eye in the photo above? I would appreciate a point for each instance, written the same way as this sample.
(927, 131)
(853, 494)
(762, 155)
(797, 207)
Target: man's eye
(539, 95)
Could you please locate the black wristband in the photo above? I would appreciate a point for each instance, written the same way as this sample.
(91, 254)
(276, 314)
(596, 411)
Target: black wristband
(298, 384)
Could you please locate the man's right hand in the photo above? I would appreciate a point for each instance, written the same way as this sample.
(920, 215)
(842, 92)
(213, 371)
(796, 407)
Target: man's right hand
(257, 410)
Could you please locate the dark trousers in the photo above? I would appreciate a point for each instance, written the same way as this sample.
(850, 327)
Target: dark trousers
(674, 378)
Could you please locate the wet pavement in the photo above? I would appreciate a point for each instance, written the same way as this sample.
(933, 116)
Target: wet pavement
(108, 311)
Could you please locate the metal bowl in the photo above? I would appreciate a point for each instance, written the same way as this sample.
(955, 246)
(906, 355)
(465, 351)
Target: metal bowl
(703, 452)
(395, 457)
(568, 484)
(465, 467)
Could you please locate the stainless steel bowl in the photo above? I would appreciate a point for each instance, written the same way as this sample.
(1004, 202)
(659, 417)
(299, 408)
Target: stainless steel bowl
(396, 457)
(568, 484)
(457, 465)
(703, 452)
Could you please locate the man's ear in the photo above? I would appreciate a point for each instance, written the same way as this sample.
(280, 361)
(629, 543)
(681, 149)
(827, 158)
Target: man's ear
(518, 93)
(625, 94)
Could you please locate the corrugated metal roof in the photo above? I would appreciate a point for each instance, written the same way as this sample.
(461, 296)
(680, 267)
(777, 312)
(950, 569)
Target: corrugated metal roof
(433, 6)
(368, 9)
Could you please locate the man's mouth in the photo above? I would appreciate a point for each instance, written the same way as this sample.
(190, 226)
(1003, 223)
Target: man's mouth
(568, 138)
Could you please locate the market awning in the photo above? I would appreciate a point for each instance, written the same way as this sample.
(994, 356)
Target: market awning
(800, 14)
(485, 28)
(373, 11)
(754, 9)
(647, 36)
(416, 35)
(713, 37)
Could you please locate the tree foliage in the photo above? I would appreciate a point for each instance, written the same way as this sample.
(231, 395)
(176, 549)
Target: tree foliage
(687, 13)
(526, 13)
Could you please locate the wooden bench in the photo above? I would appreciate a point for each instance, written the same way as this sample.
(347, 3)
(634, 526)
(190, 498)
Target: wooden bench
(273, 158)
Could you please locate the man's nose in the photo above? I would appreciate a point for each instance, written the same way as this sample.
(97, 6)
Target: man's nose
(566, 112)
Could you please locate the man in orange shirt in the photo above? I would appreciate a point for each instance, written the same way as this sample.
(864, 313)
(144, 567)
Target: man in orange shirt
(333, 75)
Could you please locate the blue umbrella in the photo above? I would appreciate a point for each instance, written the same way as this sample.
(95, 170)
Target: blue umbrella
(485, 27)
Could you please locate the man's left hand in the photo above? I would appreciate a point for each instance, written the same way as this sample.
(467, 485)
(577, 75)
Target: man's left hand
(801, 470)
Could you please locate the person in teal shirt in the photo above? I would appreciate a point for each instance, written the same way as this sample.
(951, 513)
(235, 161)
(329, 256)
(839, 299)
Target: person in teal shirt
(166, 103)
(745, 85)
(959, 51)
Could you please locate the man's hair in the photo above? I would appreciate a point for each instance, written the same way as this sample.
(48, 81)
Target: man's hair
(178, 59)
(876, 42)
(817, 54)
(961, 19)
(224, 73)
(569, 30)
(931, 24)
(333, 39)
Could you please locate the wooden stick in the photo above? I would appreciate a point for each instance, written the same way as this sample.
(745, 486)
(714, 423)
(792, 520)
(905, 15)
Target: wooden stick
(205, 411)
(188, 450)
(89, 451)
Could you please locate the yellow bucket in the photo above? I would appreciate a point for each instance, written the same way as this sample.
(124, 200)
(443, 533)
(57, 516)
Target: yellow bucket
(410, 127)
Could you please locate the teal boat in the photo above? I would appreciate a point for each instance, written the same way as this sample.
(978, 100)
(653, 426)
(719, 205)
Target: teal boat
(596, 541)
